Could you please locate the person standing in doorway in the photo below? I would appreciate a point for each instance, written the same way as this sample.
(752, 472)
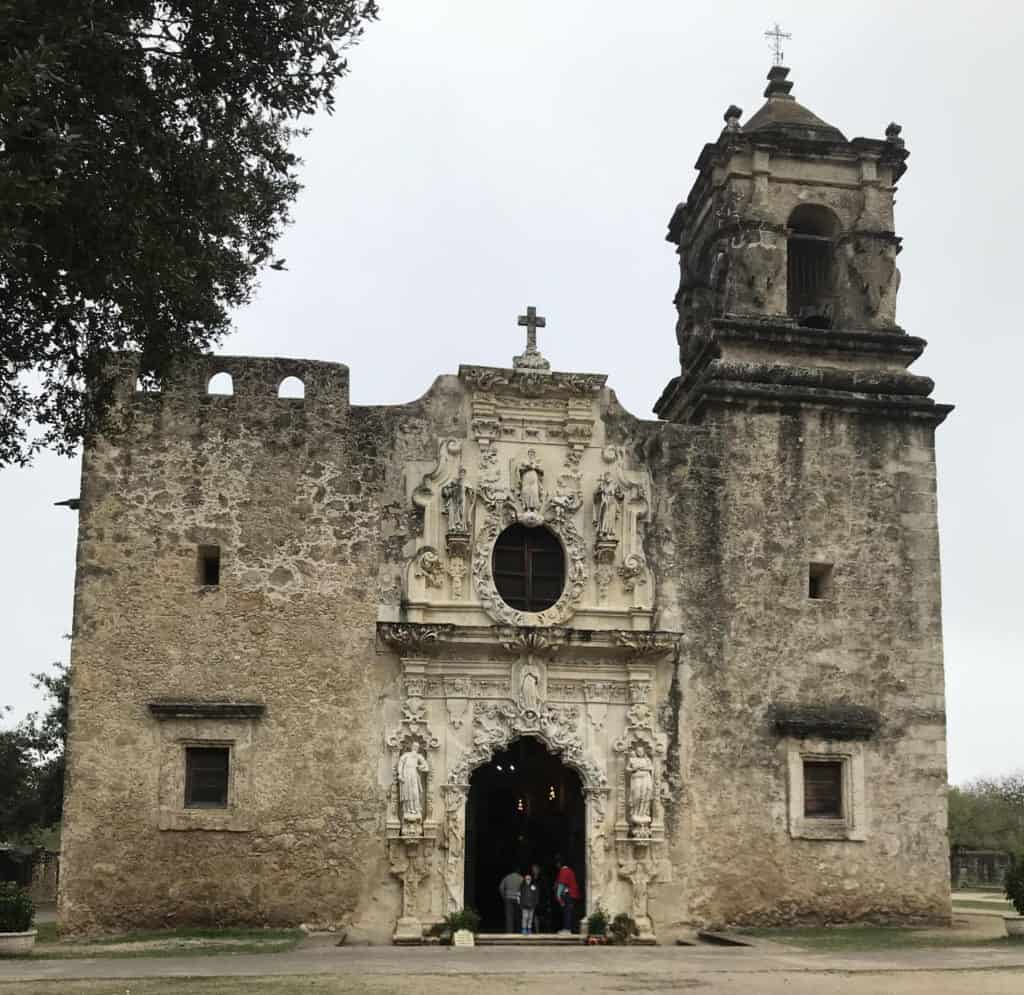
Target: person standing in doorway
(529, 898)
(510, 887)
(567, 894)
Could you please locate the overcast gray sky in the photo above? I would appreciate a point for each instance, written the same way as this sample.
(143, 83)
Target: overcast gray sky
(485, 156)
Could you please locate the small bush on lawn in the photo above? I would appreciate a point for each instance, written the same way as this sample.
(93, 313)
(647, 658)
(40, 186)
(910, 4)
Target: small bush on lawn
(16, 909)
(1014, 884)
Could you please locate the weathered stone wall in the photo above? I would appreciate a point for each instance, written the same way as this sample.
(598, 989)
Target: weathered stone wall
(290, 490)
(746, 500)
(294, 492)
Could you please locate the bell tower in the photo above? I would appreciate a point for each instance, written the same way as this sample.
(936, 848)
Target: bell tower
(787, 256)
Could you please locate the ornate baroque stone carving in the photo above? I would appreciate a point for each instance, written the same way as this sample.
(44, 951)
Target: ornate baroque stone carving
(497, 724)
(412, 639)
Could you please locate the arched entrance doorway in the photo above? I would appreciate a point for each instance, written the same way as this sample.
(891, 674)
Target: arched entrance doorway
(524, 807)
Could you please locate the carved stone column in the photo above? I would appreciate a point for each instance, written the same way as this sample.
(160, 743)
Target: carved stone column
(454, 845)
(410, 863)
(597, 847)
(637, 865)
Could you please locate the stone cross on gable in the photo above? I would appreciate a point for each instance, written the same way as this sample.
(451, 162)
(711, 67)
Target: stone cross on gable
(531, 359)
(532, 321)
(775, 36)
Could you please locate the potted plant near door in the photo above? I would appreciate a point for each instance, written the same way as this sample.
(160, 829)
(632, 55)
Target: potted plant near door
(1013, 884)
(16, 914)
(597, 927)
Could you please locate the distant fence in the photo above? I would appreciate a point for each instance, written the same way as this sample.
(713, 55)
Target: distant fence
(973, 867)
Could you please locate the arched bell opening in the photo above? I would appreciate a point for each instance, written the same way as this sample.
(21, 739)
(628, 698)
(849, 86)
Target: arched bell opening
(810, 267)
(525, 807)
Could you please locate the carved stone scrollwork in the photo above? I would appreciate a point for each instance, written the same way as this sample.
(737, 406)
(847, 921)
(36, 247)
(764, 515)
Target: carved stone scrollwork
(497, 724)
(642, 644)
(517, 640)
(412, 639)
(428, 567)
(563, 525)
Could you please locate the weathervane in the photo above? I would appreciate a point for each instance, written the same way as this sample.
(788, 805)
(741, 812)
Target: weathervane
(775, 36)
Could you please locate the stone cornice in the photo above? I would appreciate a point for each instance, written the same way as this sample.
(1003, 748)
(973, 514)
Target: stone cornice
(164, 710)
(710, 373)
(412, 639)
(529, 382)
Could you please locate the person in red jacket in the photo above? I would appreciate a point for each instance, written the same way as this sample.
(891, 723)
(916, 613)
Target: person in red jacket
(567, 894)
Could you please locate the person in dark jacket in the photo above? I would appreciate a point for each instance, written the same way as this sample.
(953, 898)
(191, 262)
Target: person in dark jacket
(509, 888)
(529, 899)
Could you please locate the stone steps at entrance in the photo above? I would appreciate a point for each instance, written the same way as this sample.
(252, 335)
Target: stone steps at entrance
(533, 940)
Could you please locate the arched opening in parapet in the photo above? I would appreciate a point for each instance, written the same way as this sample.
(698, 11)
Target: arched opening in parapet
(293, 388)
(147, 385)
(810, 270)
(525, 810)
(528, 567)
(221, 384)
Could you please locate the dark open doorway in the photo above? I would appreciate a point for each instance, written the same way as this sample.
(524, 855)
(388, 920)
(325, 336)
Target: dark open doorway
(525, 807)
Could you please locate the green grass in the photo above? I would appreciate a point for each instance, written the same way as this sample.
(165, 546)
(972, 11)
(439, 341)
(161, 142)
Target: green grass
(847, 939)
(173, 942)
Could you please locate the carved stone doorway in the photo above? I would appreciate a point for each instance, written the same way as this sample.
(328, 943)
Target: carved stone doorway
(524, 807)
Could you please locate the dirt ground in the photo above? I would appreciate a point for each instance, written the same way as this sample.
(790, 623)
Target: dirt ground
(992, 982)
(980, 966)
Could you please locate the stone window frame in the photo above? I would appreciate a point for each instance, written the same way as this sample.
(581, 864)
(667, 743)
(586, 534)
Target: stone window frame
(853, 824)
(238, 736)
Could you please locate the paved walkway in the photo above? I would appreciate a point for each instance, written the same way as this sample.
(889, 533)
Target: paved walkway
(762, 969)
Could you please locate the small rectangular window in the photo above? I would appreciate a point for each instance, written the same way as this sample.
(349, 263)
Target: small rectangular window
(819, 581)
(823, 789)
(206, 777)
(209, 565)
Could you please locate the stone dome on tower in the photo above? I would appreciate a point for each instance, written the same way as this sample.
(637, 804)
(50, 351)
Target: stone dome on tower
(784, 117)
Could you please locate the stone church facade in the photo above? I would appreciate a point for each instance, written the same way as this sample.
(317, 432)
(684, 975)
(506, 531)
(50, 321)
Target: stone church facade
(311, 637)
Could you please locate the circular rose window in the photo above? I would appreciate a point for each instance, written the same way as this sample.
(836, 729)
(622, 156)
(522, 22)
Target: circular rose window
(529, 568)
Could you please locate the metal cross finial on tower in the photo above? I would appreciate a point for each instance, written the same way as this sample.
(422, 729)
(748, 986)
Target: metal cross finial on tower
(775, 36)
(532, 321)
(531, 359)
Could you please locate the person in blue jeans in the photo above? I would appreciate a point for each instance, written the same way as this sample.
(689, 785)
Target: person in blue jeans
(529, 899)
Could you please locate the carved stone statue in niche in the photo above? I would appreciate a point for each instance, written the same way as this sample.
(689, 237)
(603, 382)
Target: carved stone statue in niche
(531, 477)
(412, 765)
(529, 687)
(640, 769)
(606, 506)
(458, 499)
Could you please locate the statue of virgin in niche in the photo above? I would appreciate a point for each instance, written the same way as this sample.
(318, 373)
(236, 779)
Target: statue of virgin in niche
(640, 768)
(529, 687)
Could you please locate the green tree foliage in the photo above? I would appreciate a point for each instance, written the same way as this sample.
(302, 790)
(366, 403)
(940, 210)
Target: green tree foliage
(32, 763)
(988, 814)
(145, 174)
(19, 797)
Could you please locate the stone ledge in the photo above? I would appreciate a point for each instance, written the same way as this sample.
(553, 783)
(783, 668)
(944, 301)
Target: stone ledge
(833, 722)
(164, 710)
